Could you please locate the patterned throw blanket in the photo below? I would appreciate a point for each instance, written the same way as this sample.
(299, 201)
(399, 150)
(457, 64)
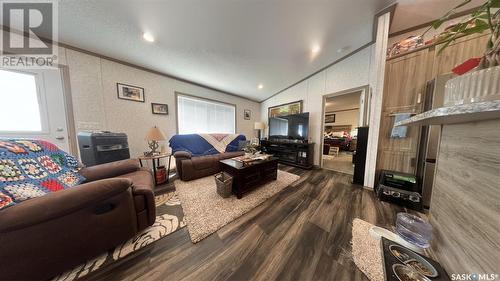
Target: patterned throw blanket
(219, 141)
(32, 168)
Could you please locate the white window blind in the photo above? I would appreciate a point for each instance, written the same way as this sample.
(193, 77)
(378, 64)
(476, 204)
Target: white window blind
(19, 104)
(199, 116)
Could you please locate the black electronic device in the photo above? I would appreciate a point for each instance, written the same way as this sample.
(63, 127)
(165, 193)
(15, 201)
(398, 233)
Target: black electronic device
(359, 157)
(399, 188)
(102, 147)
(293, 127)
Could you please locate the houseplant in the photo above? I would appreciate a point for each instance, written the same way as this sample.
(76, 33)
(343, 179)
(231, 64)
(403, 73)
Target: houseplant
(481, 20)
(483, 84)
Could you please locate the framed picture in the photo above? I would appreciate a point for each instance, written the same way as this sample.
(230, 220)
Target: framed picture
(159, 108)
(129, 92)
(285, 109)
(247, 114)
(330, 118)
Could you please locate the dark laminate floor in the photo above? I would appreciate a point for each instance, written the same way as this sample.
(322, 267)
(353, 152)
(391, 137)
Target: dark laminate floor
(303, 233)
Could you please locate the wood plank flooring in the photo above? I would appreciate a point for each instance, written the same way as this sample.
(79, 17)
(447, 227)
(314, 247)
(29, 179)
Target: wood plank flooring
(302, 233)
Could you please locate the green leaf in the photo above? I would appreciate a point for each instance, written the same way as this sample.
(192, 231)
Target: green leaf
(494, 3)
(442, 47)
(476, 29)
(483, 16)
(490, 44)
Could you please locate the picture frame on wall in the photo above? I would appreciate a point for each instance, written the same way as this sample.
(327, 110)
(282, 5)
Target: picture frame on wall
(247, 114)
(330, 118)
(159, 108)
(285, 109)
(129, 92)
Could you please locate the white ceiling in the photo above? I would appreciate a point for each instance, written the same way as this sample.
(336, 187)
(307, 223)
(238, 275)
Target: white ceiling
(231, 45)
(410, 13)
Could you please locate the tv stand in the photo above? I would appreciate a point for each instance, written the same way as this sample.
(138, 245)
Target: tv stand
(296, 154)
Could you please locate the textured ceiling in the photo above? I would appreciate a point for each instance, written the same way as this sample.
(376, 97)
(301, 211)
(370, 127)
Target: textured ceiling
(410, 13)
(231, 45)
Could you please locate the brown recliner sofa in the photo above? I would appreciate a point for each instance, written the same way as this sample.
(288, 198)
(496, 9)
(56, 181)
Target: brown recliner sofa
(42, 237)
(190, 168)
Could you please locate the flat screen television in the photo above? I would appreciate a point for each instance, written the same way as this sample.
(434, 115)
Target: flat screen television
(289, 127)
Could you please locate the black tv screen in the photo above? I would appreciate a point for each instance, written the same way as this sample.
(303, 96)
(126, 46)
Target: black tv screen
(293, 127)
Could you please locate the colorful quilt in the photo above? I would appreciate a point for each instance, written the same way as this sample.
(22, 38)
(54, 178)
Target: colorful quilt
(32, 168)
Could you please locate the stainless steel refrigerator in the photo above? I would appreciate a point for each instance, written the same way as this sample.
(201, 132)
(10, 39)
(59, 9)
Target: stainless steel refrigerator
(429, 137)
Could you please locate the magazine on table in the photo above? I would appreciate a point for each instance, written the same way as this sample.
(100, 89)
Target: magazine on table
(250, 158)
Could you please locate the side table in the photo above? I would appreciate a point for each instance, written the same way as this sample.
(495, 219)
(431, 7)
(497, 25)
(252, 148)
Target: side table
(156, 162)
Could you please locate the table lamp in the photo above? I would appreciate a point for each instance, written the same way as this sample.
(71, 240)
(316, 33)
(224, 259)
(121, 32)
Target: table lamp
(153, 136)
(259, 126)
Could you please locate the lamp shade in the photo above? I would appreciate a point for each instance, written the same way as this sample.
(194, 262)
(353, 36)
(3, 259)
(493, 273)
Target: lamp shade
(155, 134)
(259, 126)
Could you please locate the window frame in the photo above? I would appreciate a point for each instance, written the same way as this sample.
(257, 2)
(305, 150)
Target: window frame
(177, 94)
(42, 105)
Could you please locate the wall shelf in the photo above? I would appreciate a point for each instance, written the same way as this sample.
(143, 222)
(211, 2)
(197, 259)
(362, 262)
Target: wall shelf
(462, 113)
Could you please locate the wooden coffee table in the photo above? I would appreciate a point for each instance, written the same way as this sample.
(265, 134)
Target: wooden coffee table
(250, 175)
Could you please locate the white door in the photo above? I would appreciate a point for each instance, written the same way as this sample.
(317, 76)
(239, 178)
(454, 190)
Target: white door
(32, 106)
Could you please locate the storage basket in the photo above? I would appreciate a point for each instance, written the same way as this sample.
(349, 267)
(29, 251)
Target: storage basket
(224, 182)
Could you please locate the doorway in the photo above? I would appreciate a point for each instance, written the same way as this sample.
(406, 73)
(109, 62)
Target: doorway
(343, 113)
(33, 105)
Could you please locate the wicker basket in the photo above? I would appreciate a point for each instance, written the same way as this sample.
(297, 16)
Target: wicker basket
(224, 182)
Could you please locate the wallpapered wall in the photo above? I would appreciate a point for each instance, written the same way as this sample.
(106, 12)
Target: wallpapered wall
(96, 106)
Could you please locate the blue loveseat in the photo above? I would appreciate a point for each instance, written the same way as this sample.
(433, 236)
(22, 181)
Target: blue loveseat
(196, 158)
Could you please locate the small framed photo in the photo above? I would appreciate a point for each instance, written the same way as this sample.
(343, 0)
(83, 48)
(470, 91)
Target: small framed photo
(129, 92)
(330, 118)
(247, 114)
(159, 108)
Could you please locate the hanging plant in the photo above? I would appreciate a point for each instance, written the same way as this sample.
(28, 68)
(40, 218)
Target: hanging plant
(481, 20)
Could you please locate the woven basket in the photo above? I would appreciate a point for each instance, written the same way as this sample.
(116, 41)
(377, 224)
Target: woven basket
(224, 182)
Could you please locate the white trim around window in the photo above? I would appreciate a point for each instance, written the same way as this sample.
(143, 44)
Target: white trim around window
(196, 115)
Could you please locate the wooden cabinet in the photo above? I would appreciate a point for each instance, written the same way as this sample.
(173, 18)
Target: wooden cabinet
(405, 79)
(464, 48)
(404, 88)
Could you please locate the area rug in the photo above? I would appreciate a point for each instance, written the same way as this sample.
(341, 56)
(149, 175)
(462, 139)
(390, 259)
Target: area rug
(206, 212)
(169, 218)
(366, 251)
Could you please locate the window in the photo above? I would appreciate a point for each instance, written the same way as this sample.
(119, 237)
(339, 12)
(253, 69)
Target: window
(19, 104)
(196, 115)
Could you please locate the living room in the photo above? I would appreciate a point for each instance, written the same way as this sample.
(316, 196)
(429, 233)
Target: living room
(249, 140)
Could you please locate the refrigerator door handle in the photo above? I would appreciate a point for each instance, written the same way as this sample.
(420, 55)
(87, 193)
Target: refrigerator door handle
(430, 160)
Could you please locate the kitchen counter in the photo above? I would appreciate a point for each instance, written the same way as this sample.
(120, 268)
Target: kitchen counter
(465, 198)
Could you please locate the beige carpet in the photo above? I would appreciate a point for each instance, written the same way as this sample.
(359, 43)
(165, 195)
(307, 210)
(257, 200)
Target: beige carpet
(206, 212)
(366, 251)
